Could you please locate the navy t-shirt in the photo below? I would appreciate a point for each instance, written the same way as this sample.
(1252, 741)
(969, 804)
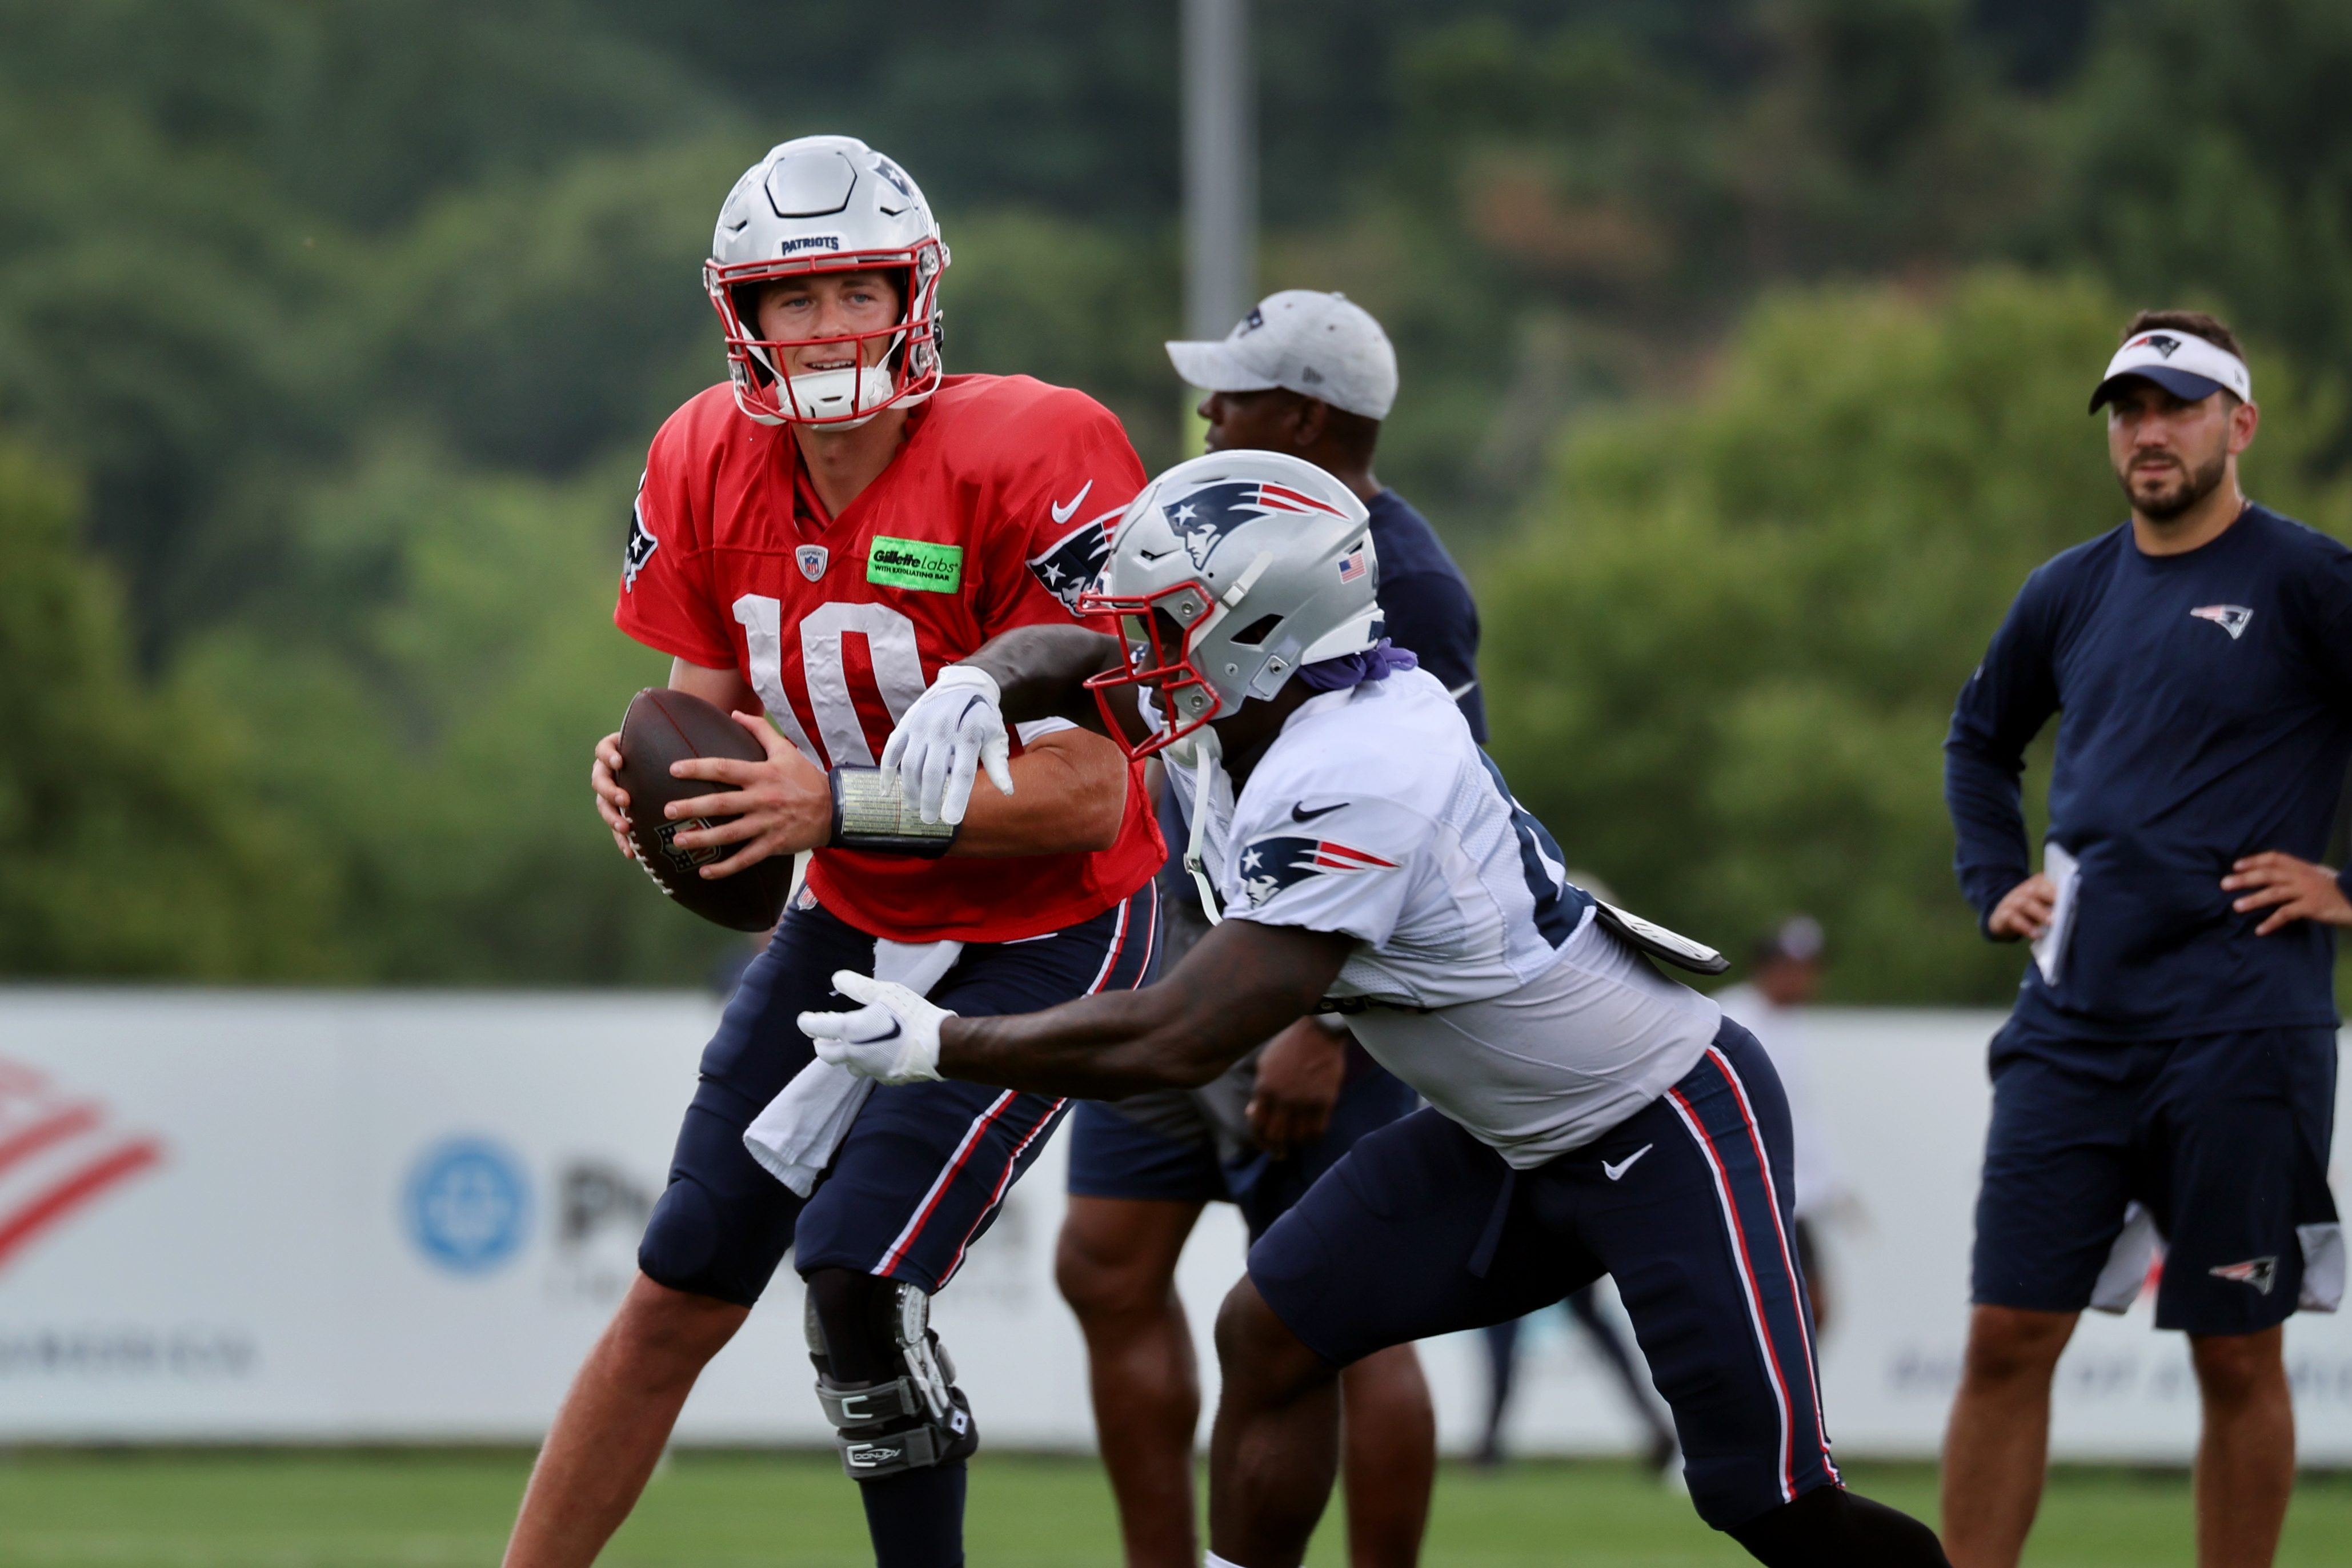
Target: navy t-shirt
(2206, 703)
(1426, 602)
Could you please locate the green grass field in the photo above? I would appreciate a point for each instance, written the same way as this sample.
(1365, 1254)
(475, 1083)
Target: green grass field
(444, 1510)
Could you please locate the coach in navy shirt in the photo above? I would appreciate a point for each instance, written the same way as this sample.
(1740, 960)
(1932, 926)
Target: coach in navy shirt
(2168, 1073)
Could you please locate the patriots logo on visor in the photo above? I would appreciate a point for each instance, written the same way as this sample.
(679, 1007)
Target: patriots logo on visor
(1074, 563)
(1205, 518)
(1271, 864)
(2168, 347)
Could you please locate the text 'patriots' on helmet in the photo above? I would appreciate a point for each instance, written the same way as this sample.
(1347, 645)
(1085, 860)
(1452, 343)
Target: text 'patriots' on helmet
(1229, 572)
(827, 204)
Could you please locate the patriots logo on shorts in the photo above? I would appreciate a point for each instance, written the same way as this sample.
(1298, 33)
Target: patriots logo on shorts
(1271, 864)
(1074, 563)
(2262, 1273)
(640, 548)
(1205, 518)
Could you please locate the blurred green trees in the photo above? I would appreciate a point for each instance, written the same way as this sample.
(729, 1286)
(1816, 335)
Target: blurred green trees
(340, 330)
(129, 844)
(1729, 641)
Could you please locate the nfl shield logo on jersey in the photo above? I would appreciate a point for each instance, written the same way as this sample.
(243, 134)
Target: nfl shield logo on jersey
(811, 559)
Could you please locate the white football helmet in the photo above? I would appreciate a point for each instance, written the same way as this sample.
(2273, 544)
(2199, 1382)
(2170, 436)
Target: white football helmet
(1228, 572)
(826, 203)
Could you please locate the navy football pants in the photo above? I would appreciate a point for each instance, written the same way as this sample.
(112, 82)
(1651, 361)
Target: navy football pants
(1423, 1229)
(923, 1172)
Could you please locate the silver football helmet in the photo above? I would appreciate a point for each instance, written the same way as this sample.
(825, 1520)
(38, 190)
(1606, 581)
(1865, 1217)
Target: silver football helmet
(1227, 573)
(826, 203)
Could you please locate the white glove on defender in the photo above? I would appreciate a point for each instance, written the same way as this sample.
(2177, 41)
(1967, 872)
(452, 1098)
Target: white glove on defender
(953, 731)
(893, 1039)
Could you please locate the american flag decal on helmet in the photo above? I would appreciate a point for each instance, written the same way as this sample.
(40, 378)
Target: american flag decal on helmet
(1271, 864)
(1351, 565)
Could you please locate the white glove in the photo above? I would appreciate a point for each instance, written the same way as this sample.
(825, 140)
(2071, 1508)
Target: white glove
(893, 1039)
(953, 731)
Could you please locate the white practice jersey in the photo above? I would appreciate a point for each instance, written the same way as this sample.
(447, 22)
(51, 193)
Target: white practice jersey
(1375, 814)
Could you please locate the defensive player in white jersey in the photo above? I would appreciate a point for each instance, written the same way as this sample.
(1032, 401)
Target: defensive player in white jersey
(1587, 1116)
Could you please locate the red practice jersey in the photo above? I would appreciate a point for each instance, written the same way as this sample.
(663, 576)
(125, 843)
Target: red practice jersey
(989, 517)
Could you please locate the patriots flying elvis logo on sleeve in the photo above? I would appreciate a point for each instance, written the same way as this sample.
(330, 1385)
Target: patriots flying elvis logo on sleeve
(1271, 864)
(641, 546)
(1074, 563)
(1205, 518)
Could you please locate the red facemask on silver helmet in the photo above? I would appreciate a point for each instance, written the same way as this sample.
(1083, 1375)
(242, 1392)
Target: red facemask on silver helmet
(1227, 573)
(821, 205)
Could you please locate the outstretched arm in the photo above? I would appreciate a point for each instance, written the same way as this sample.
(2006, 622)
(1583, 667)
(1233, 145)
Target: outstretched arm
(1239, 984)
(1042, 672)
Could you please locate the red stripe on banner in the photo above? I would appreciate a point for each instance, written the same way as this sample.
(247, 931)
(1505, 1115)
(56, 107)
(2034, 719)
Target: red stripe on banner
(1749, 1286)
(1788, 1255)
(56, 1128)
(48, 1207)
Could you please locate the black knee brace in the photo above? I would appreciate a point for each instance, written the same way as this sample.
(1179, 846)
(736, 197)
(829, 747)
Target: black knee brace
(885, 1380)
(1830, 1527)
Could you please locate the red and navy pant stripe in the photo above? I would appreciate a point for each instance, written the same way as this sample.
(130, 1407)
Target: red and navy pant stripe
(925, 1170)
(1423, 1229)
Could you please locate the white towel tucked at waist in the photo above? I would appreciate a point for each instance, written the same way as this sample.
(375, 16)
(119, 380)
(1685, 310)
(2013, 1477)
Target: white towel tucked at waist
(799, 1132)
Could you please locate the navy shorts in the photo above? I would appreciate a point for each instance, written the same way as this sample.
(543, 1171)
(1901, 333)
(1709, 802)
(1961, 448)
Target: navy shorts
(1423, 1229)
(924, 1170)
(1114, 1156)
(2222, 1138)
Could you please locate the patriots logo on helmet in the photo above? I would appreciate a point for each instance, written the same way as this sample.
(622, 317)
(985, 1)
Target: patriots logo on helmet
(2262, 1273)
(1205, 518)
(1271, 864)
(640, 548)
(1075, 562)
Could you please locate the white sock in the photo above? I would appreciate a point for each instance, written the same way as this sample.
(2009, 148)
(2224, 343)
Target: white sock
(1211, 1560)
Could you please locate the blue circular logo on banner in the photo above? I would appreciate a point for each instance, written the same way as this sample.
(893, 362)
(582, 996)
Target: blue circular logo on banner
(469, 1205)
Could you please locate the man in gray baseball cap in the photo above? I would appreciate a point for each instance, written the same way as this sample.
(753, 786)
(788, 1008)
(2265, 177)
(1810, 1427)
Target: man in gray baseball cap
(1322, 346)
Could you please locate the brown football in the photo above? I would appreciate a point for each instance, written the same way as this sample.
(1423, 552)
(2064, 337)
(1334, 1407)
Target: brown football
(663, 727)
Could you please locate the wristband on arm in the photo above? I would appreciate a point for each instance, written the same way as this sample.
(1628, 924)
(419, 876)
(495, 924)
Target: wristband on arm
(872, 816)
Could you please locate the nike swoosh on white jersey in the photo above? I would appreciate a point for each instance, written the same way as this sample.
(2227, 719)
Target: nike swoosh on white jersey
(1617, 1172)
(1064, 514)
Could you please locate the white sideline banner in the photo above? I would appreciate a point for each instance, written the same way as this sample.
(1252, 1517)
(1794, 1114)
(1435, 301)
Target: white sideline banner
(347, 1216)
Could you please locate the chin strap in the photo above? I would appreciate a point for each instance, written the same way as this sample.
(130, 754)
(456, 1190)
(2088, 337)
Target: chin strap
(1204, 752)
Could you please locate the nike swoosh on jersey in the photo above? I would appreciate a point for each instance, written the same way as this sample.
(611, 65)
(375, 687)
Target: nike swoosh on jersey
(1299, 813)
(1617, 1172)
(1064, 514)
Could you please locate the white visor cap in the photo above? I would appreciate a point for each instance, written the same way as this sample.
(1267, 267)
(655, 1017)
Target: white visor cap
(1316, 345)
(2182, 363)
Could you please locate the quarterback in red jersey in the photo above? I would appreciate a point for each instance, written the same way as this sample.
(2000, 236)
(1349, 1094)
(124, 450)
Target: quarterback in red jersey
(814, 542)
